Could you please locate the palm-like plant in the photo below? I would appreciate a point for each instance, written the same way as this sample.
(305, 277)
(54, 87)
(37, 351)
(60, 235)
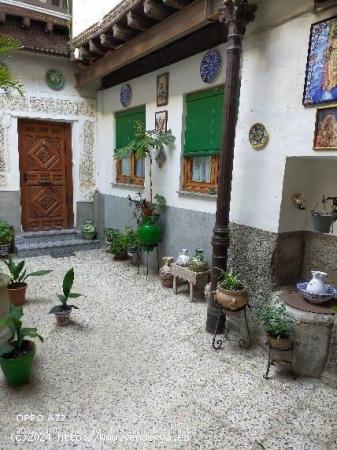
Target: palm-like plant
(147, 143)
(19, 274)
(8, 80)
(68, 281)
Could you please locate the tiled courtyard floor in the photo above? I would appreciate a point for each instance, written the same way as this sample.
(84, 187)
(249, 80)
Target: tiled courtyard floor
(136, 370)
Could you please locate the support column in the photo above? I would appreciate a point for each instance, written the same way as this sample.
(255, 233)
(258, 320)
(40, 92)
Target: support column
(236, 14)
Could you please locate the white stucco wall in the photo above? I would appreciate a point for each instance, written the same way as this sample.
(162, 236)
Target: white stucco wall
(184, 78)
(274, 64)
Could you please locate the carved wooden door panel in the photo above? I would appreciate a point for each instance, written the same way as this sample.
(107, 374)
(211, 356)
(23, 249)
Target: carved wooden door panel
(46, 178)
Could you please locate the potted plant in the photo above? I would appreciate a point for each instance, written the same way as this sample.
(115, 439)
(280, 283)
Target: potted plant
(62, 312)
(6, 237)
(17, 355)
(89, 230)
(147, 215)
(323, 220)
(150, 145)
(17, 286)
(132, 241)
(276, 325)
(230, 292)
(119, 245)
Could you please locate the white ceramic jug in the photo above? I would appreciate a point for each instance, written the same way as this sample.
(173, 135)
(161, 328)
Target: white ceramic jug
(317, 284)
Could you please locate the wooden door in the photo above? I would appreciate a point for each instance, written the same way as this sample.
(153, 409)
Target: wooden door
(46, 175)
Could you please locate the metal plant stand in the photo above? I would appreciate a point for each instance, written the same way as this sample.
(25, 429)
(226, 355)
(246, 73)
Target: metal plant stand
(148, 250)
(243, 342)
(279, 355)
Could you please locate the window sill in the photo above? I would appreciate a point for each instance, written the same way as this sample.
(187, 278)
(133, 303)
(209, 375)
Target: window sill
(127, 185)
(197, 194)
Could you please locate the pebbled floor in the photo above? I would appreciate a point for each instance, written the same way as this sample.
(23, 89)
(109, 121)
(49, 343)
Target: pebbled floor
(135, 370)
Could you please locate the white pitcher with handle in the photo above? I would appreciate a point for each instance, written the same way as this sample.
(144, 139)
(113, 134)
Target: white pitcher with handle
(316, 285)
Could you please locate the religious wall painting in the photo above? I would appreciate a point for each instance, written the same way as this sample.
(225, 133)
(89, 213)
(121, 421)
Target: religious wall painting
(326, 129)
(162, 89)
(161, 121)
(321, 74)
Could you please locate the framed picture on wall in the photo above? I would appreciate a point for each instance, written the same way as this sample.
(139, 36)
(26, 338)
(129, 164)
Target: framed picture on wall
(326, 129)
(161, 121)
(162, 89)
(321, 74)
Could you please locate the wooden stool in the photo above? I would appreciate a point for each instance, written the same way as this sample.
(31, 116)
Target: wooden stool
(192, 278)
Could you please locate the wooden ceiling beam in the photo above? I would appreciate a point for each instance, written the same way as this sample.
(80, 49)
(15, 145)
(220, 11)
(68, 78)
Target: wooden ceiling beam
(181, 24)
(84, 53)
(108, 41)
(176, 4)
(155, 10)
(138, 22)
(123, 33)
(25, 22)
(96, 48)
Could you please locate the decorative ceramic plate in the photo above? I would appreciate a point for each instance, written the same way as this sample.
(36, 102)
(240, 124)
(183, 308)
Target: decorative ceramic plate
(331, 291)
(55, 79)
(258, 136)
(125, 95)
(210, 66)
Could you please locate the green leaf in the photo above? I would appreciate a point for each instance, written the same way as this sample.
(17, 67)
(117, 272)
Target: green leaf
(17, 269)
(62, 299)
(54, 309)
(73, 306)
(5, 348)
(74, 295)
(39, 273)
(8, 43)
(16, 311)
(22, 276)
(68, 281)
(30, 332)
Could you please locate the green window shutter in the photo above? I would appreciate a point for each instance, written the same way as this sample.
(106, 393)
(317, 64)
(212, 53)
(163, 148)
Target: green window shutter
(204, 122)
(125, 125)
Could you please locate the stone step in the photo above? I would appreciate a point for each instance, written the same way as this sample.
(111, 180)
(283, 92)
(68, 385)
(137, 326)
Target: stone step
(35, 237)
(65, 247)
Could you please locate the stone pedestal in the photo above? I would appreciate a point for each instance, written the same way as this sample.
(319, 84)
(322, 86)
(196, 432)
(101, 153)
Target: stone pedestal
(4, 305)
(311, 330)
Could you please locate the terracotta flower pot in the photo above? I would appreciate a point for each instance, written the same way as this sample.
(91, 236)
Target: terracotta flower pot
(232, 300)
(279, 344)
(62, 317)
(17, 293)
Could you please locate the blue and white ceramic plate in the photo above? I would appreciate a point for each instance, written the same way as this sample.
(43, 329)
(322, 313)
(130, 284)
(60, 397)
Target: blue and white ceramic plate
(210, 66)
(331, 292)
(125, 95)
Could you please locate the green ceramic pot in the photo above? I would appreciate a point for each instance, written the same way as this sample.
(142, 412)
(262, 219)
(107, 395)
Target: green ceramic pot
(149, 233)
(17, 371)
(88, 230)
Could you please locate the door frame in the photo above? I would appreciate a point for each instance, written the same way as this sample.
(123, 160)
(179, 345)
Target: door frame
(68, 167)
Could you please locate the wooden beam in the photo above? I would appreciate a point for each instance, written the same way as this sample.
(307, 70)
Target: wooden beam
(155, 10)
(108, 41)
(49, 27)
(84, 53)
(96, 49)
(181, 24)
(25, 22)
(176, 4)
(123, 33)
(138, 22)
(208, 37)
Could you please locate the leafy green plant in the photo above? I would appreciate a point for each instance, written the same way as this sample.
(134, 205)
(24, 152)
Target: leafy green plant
(132, 238)
(274, 321)
(229, 280)
(147, 143)
(6, 233)
(15, 347)
(145, 208)
(68, 282)
(120, 244)
(19, 274)
(8, 81)
(110, 234)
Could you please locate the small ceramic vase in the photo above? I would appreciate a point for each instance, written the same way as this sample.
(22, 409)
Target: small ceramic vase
(198, 263)
(88, 230)
(165, 274)
(316, 285)
(183, 258)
